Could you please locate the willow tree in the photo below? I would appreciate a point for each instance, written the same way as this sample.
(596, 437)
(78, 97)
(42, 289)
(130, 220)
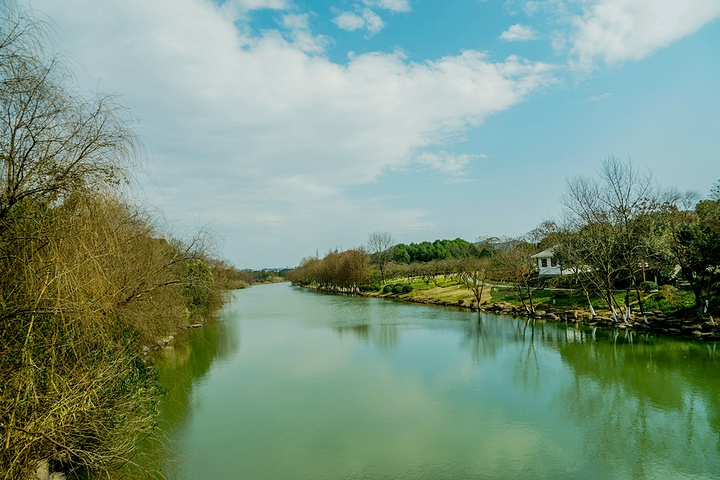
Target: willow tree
(53, 140)
(81, 273)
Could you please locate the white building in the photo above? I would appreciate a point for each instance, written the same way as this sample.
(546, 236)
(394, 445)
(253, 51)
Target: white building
(545, 263)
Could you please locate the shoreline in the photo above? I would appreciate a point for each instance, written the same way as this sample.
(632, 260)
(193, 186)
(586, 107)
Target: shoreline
(658, 322)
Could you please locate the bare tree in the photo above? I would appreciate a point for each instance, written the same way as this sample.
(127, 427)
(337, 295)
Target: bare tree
(52, 140)
(474, 272)
(608, 229)
(380, 248)
(515, 264)
(715, 191)
(85, 279)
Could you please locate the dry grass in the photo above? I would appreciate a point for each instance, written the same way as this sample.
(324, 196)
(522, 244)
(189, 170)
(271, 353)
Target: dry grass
(88, 284)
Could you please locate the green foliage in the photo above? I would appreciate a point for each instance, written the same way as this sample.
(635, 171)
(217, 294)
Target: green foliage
(387, 289)
(648, 286)
(401, 254)
(397, 288)
(698, 252)
(437, 250)
(198, 286)
(671, 300)
(407, 288)
(669, 294)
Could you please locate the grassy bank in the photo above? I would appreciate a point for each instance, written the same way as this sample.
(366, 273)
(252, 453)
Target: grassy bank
(666, 314)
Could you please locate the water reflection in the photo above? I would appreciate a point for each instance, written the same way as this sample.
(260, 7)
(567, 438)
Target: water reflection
(384, 337)
(482, 338)
(634, 396)
(649, 396)
(187, 361)
(364, 388)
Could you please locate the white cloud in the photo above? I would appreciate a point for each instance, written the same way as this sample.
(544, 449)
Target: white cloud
(259, 4)
(363, 19)
(597, 98)
(373, 22)
(251, 129)
(518, 33)
(616, 31)
(366, 18)
(447, 163)
(349, 21)
(301, 36)
(392, 5)
(237, 9)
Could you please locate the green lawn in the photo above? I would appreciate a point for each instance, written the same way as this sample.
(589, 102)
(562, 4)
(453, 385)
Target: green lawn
(656, 301)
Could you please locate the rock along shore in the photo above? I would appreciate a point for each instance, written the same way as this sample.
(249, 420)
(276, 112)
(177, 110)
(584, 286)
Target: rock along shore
(657, 322)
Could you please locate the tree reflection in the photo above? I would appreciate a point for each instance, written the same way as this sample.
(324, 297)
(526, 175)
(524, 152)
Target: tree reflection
(383, 336)
(527, 368)
(640, 394)
(654, 398)
(190, 358)
(483, 335)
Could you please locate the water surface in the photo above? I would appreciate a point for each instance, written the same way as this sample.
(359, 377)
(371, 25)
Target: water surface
(292, 384)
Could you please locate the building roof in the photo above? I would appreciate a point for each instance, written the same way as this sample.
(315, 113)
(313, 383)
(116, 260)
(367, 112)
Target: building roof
(545, 253)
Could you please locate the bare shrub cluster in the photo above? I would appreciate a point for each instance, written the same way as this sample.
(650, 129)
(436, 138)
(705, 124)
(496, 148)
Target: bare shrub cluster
(86, 278)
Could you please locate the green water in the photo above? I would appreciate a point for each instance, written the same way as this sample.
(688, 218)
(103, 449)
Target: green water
(292, 384)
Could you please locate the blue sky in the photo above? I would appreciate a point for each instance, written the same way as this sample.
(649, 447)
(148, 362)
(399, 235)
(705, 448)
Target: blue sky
(294, 126)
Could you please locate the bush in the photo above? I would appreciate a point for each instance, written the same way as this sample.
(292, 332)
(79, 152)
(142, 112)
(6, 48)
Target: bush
(669, 294)
(407, 288)
(198, 286)
(398, 288)
(387, 289)
(648, 286)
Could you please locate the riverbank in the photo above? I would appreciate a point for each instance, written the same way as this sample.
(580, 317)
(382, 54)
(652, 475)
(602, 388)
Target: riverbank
(458, 296)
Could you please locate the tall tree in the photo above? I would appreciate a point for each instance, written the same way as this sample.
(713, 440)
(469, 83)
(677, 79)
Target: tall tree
(85, 280)
(696, 244)
(380, 248)
(609, 229)
(52, 140)
(515, 265)
(474, 272)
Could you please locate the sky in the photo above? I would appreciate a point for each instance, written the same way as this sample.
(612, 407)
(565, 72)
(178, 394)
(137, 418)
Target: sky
(292, 127)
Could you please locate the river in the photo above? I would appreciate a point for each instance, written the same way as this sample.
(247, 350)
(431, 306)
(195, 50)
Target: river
(294, 384)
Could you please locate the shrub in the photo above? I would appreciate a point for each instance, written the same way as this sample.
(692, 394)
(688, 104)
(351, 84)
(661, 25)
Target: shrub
(198, 286)
(407, 288)
(648, 286)
(397, 288)
(387, 289)
(669, 294)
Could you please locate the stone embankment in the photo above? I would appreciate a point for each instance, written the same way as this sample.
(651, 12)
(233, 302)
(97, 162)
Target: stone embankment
(698, 328)
(658, 322)
(166, 341)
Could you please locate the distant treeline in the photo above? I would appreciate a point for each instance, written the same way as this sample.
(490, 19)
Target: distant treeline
(242, 278)
(437, 250)
(356, 269)
(621, 238)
